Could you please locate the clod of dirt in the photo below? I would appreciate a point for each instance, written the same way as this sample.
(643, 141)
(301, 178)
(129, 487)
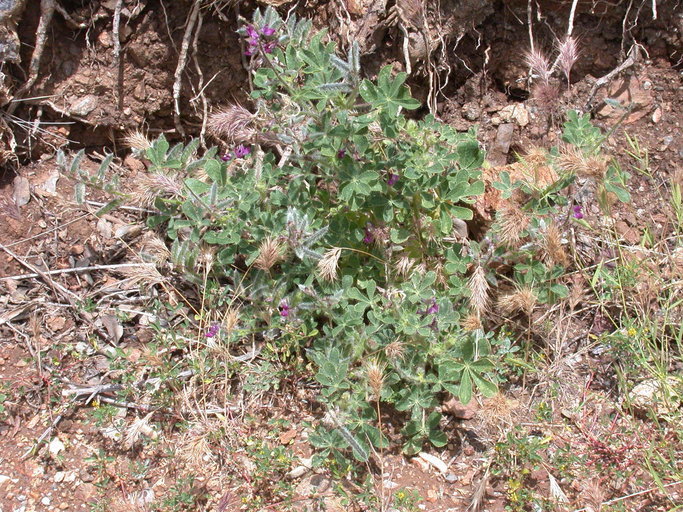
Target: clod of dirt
(459, 410)
(651, 395)
(22, 191)
(633, 93)
(10, 11)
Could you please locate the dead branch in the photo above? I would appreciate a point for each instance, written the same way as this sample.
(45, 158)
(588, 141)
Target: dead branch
(76, 270)
(116, 36)
(182, 60)
(47, 9)
(633, 57)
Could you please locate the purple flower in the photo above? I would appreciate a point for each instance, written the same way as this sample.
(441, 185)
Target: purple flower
(252, 32)
(227, 157)
(269, 47)
(341, 153)
(250, 51)
(433, 309)
(213, 330)
(577, 212)
(241, 151)
(369, 237)
(267, 31)
(284, 308)
(392, 180)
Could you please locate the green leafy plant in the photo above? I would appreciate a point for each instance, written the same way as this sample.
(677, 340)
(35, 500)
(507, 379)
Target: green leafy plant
(334, 224)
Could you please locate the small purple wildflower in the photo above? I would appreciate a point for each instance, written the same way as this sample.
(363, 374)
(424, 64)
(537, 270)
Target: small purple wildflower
(341, 153)
(267, 31)
(433, 309)
(241, 151)
(250, 51)
(252, 32)
(369, 237)
(269, 47)
(227, 157)
(392, 180)
(284, 309)
(578, 214)
(213, 330)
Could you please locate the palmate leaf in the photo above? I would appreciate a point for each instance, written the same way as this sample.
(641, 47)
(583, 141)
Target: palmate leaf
(389, 94)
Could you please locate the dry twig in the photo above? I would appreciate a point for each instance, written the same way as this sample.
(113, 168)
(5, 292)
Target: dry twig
(182, 60)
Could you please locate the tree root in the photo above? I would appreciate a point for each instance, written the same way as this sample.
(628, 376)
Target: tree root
(182, 60)
(47, 9)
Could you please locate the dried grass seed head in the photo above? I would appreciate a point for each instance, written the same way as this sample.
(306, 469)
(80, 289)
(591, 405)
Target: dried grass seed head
(234, 123)
(512, 221)
(523, 300)
(568, 54)
(395, 350)
(375, 374)
(137, 141)
(404, 265)
(472, 321)
(151, 186)
(271, 252)
(327, 265)
(479, 290)
(553, 249)
(572, 160)
(539, 64)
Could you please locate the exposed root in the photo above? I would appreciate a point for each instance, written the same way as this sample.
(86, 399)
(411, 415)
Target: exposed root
(201, 86)
(633, 57)
(47, 9)
(182, 60)
(116, 36)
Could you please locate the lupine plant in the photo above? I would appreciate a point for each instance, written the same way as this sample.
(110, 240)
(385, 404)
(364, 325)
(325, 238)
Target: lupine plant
(331, 218)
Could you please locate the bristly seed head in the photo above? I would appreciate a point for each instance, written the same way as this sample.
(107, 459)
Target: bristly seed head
(568, 55)
(327, 265)
(512, 221)
(270, 254)
(234, 123)
(375, 373)
(479, 290)
(137, 141)
(395, 349)
(539, 64)
(472, 322)
(523, 299)
(552, 246)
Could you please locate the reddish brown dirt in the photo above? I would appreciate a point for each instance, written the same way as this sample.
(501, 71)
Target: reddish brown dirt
(84, 88)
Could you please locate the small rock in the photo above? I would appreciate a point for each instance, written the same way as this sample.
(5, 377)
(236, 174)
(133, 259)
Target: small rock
(128, 231)
(45, 501)
(104, 228)
(649, 395)
(657, 115)
(22, 191)
(388, 484)
(297, 472)
(77, 250)
(451, 478)
(84, 106)
(517, 113)
(56, 446)
(3, 480)
(59, 476)
(434, 461)
(459, 410)
(63, 506)
(21, 363)
(432, 496)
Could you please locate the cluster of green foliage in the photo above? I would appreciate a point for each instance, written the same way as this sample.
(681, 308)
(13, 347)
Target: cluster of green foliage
(346, 180)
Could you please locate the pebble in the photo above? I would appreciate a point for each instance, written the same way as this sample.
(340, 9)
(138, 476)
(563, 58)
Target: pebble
(45, 501)
(451, 478)
(59, 476)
